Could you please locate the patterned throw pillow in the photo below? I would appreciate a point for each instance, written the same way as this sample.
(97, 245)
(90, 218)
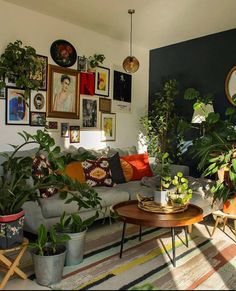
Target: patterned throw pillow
(41, 168)
(97, 172)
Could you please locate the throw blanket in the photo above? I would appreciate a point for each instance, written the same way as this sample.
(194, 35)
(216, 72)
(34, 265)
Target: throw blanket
(198, 185)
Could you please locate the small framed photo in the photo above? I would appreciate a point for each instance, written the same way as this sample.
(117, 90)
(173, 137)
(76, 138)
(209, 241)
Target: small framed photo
(38, 101)
(82, 64)
(102, 81)
(63, 94)
(105, 105)
(17, 110)
(40, 76)
(52, 126)
(87, 83)
(89, 113)
(11, 80)
(64, 129)
(74, 134)
(108, 126)
(2, 90)
(37, 118)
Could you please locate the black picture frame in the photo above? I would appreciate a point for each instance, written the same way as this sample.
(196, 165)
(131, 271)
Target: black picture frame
(37, 118)
(63, 53)
(102, 81)
(41, 76)
(122, 84)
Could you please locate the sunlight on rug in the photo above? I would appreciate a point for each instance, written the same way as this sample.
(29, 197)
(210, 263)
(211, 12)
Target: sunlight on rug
(207, 263)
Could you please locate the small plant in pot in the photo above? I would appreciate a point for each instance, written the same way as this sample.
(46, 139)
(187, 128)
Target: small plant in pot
(163, 170)
(49, 254)
(94, 61)
(76, 229)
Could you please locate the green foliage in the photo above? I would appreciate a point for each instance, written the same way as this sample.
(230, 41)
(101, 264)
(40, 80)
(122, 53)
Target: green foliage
(22, 63)
(47, 243)
(96, 60)
(182, 193)
(74, 224)
(15, 188)
(163, 170)
(163, 128)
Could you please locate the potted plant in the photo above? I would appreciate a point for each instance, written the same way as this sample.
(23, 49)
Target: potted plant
(21, 63)
(163, 170)
(94, 61)
(76, 229)
(48, 255)
(181, 193)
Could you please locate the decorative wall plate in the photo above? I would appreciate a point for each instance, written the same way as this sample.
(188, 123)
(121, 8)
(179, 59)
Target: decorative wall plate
(63, 53)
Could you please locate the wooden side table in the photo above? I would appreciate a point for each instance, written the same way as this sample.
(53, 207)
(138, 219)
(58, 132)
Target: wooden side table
(12, 266)
(221, 215)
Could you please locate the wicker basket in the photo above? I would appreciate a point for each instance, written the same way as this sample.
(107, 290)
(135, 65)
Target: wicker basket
(147, 204)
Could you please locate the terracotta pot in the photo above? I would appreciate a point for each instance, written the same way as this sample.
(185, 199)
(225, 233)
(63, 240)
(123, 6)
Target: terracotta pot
(230, 205)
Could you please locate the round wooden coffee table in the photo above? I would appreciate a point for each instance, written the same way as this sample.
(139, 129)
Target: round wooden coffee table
(130, 213)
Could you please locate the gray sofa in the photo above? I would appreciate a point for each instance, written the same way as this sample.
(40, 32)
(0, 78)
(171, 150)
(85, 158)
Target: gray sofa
(48, 211)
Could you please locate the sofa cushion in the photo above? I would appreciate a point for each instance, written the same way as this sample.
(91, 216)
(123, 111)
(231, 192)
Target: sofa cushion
(75, 171)
(140, 165)
(122, 151)
(127, 170)
(116, 169)
(98, 172)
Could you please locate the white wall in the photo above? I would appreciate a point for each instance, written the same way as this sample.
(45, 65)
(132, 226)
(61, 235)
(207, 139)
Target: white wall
(39, 31)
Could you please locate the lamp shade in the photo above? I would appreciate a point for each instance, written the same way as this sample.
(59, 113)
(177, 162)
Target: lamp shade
(130, 64)
(200, 114)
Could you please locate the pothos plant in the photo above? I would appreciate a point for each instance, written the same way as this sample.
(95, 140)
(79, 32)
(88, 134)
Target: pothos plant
(95, 60)
(21, 63)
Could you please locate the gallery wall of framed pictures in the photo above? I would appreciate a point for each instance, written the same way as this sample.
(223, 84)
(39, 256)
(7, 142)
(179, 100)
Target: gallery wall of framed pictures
(77, 99)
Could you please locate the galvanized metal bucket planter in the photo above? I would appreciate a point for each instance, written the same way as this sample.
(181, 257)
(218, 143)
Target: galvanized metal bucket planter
(11, 230)
(75, 248)
(49, 269)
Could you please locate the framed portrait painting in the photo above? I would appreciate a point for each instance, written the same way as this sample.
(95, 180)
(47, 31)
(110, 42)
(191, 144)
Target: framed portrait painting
(37, 118)
(74, 134)
(108, 126)
(41, 75)
(17, 111)
(63, 94)
(38, 101)
(89, 113)
(102, 81)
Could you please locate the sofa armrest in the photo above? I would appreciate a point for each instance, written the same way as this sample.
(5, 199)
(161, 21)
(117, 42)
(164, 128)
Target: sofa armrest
(173, 167)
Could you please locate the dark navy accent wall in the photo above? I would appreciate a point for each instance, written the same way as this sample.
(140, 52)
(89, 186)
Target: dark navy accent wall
(202, 63)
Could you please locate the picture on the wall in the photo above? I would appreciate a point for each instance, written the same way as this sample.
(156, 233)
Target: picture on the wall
(89, 112)
(108, 126)
(37, 118)
(122, 86)
(87, 83)
(102, 81)
(104, 105)
(40, 76)
(63, 95)
(64, 129)
(82, 64)
(52, 126)
(38, 101)
(74, 134)
(17, 111)
(2, 90)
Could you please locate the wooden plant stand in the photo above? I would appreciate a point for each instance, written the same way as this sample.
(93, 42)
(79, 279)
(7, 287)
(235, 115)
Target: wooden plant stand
(12, 266)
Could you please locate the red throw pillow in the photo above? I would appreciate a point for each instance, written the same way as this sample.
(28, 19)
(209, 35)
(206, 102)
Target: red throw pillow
(140, 165)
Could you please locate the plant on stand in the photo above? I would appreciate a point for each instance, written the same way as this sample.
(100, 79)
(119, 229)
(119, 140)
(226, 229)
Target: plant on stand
(20, 63)
(49, 254)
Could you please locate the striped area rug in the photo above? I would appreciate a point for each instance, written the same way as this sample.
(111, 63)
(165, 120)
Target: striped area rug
(207, 264)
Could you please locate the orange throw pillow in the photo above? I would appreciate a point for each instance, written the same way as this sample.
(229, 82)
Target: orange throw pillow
(75, 171)
(140, 165)
(127, 170)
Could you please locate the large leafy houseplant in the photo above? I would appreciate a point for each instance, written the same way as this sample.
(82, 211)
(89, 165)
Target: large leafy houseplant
(163, 127)
(21, 63)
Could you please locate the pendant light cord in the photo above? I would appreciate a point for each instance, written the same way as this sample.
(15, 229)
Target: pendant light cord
(131, 35)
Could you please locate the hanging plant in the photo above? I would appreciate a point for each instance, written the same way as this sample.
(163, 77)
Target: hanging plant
(21, 63)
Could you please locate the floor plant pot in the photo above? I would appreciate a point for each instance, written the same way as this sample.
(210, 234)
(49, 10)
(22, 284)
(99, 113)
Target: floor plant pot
(11, 230)
(75, 248)
(49, 269)
(229, 206)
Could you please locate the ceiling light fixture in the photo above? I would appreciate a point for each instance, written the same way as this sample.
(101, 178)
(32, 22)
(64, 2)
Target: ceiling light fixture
(131, 64)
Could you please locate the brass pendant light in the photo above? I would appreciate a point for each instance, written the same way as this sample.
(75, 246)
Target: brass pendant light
(131, 64)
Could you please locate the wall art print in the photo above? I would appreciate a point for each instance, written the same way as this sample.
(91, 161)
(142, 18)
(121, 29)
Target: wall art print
(89, 113)
(102, 81)
(17, 111)
(63, 94)
(37, 118)
(87, 83)
(74, 134)
(108, 126)
(41, 75)
(38, 101)
(64, 129)
(63, 53)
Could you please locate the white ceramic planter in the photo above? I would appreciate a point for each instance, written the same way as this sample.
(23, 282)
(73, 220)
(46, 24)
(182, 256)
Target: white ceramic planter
(160, 196)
